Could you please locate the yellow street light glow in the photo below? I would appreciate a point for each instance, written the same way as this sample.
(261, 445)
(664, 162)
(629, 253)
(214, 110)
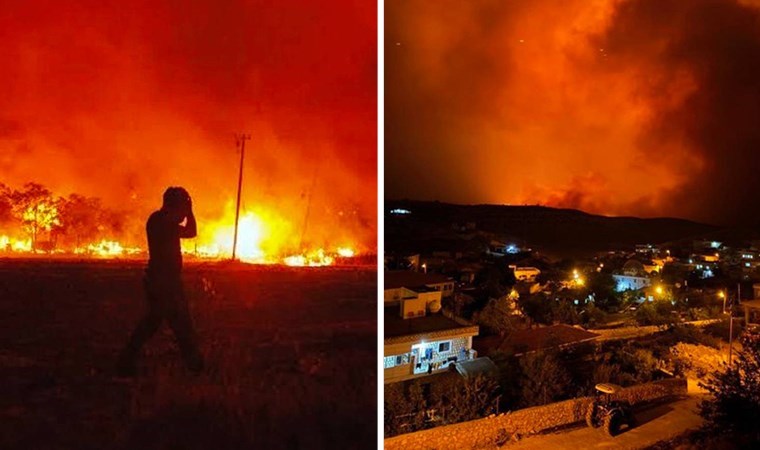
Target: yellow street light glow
(722, 294)
(658, 289)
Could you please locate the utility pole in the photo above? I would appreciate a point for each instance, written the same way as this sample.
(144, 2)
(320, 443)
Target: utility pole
(240, 141)
(308, 209)
(731, 324)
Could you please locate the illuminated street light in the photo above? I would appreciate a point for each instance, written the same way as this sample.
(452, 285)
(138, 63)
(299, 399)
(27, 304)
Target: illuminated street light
(722, 294)
(658, 289)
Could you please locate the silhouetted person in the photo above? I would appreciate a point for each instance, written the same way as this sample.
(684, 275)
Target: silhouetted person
(163, 283)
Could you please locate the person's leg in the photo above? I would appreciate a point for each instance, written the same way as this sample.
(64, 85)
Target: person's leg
(180, 322)
(144, 330)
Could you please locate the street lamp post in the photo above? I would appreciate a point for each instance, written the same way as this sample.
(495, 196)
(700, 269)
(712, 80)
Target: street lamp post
(722, 295)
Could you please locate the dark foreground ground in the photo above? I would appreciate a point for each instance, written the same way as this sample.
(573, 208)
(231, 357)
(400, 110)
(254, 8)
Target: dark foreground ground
(291, 355)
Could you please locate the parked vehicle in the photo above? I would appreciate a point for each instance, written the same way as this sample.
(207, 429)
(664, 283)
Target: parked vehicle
(607, 413)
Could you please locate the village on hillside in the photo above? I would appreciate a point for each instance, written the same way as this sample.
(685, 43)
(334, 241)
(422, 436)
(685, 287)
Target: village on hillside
(493, 326)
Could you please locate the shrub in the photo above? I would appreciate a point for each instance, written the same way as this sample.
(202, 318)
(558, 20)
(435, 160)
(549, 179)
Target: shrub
(693, 335)
(404, 412)
(606, 373)
(469, 399)
(563, 311)
(497, 318)
(593, 316)
(703, 313)
(654, 313)
(720, 329)
(543, 379)
(735, 403)
(536, 307)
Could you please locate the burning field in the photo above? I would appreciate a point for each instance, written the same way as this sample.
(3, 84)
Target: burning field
(33, 221)
(103, 107)
(290, 352)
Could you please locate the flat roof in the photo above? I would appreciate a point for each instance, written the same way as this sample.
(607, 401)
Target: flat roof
(751, 304)
(394, 279)
(395, 326)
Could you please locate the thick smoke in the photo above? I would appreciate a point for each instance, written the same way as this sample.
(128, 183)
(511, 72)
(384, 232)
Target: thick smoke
(643, 107)
(120, 99)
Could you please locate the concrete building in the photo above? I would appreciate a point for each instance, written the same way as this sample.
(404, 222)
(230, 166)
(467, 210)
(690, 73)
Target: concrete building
(423, 344)
(528, 274)
(399, 283)
(633, 276)
(629, 282)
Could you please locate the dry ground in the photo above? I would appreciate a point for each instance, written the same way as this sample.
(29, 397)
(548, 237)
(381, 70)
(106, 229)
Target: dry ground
(291, 355)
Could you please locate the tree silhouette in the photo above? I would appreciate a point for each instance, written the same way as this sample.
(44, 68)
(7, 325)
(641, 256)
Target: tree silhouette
(6, 210)
(82, 218)
(36, 209)
(734, 406)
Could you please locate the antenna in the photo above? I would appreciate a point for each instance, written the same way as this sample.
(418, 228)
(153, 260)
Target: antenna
(240, 142)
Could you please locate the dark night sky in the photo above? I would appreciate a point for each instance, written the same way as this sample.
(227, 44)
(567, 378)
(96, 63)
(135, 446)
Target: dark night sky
(632, 107)
(120, 99)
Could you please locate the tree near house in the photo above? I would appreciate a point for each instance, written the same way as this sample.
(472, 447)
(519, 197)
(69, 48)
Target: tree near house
(603, 285)
(404, 409)
(537, 307)
(543, 379)
(497, 317)
(471, 398)
(734, 406)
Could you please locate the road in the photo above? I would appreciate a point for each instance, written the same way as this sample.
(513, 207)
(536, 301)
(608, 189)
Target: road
(655, 424)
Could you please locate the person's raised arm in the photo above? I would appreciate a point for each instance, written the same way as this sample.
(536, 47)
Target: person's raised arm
(190, 230)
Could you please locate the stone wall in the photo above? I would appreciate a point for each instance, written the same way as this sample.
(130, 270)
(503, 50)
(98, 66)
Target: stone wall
(488, 432)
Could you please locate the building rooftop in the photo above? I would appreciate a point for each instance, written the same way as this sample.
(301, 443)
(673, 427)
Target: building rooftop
(750, 304)
(395, 326)
(394, 279)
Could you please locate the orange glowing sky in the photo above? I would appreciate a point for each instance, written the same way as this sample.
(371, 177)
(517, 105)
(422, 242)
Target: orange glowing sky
(121, 99)
(620, 107)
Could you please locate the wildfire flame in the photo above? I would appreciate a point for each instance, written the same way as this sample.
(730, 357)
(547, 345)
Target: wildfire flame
(107, 248)
(264, 237)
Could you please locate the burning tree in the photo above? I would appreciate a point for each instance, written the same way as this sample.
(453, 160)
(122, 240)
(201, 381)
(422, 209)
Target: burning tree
(37, 210)
(6, 210)
(82, 218)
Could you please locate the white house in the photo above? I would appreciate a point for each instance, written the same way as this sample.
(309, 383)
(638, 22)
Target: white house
(528, 274)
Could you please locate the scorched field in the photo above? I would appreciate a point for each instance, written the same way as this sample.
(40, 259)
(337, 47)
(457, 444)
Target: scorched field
(290, 353)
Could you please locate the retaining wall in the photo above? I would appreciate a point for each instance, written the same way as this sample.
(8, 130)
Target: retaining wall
(488, 432)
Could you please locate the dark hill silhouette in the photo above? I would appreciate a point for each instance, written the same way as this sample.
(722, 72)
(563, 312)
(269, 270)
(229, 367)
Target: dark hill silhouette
(438, 226)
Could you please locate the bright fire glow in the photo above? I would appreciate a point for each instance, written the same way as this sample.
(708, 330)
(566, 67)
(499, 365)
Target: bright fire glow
(216, 241)
(312, 259)
(8, 244)
(263, 238)
(106, 248)
(345, 252)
